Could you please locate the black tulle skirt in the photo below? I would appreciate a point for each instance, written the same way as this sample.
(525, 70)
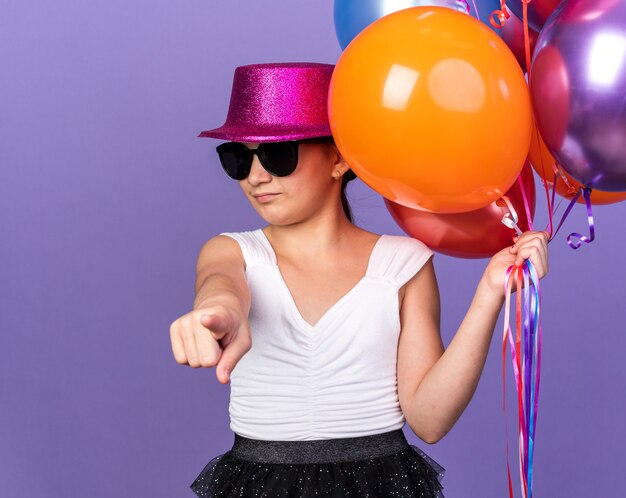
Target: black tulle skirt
(379, 465)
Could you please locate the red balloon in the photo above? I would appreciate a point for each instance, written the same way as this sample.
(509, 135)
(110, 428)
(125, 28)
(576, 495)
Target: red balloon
(538, 11)
(550, 91)
(513, 35)
(473, 234)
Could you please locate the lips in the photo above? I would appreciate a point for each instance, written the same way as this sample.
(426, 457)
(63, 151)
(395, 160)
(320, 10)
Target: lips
(265, 197)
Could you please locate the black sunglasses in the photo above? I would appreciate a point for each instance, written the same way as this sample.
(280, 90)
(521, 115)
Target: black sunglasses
(277, 158)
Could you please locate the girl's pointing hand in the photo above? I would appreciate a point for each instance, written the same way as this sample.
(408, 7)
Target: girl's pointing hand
(212, 336)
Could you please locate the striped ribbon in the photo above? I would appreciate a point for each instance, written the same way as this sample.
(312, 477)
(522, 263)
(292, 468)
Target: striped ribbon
(526, 360)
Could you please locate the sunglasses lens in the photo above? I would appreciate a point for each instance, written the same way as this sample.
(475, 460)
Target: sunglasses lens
(280, 158)
(236, 159)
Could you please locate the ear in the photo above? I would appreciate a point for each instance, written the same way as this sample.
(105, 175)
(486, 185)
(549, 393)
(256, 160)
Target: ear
(339, 164)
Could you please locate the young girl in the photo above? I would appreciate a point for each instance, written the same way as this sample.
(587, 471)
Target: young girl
(328, 333)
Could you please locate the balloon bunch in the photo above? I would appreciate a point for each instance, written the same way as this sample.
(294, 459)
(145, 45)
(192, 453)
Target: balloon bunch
(431, 108)
(420, 106)
(431, 111)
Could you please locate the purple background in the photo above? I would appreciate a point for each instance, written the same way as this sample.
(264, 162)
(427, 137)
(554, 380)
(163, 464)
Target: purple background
(106, 196)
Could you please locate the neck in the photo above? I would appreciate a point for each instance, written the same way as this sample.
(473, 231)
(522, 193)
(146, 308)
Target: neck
(322, 235)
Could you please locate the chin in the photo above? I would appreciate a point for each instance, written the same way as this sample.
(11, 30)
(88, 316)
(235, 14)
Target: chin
(281, 213)
(270, 214)
(277, 220)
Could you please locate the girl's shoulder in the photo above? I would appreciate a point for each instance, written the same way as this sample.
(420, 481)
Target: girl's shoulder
(253, 246)
(399, 257)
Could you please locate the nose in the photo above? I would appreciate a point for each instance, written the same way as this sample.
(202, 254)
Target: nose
(258, 174)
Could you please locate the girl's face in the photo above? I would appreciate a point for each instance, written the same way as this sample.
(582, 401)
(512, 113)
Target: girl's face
(308, 191)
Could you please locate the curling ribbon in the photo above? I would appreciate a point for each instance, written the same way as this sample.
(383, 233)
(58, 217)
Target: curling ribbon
(575, 244)
(526, 360)
(510, 219)
(501, 15)
(592, 231)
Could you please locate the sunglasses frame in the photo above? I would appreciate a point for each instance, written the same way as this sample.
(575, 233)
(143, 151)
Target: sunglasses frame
(263, 159)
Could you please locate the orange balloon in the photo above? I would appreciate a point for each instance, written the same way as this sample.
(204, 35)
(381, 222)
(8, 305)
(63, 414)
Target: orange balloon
(543, 163)
(430, 108)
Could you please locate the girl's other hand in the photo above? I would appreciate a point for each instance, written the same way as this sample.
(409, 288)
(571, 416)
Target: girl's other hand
(211, 336)
(531, 245)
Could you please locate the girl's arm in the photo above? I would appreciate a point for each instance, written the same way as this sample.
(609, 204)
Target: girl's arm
(436, 385)
(216, 332)
(221, 276)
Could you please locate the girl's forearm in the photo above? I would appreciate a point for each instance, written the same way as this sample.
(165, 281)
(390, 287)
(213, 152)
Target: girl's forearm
(449, 385)
(219, 289)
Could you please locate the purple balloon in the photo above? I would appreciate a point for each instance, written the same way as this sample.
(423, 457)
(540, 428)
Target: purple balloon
(578, 89)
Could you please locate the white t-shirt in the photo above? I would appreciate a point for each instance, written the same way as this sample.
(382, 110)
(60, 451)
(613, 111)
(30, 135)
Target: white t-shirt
(334, 379)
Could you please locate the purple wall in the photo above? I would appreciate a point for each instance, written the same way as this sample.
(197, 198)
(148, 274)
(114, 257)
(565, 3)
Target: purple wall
(106, 196)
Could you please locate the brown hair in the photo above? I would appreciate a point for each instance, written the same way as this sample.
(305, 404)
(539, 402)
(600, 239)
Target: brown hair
(347, 177)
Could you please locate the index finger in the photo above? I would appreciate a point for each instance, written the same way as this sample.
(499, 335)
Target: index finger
(218, 324)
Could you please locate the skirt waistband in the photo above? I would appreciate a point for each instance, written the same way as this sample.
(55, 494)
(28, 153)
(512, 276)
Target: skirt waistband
(319, 450)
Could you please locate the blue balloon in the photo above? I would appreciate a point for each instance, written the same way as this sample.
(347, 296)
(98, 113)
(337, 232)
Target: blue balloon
(352, 16)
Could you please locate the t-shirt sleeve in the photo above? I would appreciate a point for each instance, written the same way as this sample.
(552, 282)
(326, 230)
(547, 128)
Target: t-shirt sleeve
(253, 250)
(404, 258)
